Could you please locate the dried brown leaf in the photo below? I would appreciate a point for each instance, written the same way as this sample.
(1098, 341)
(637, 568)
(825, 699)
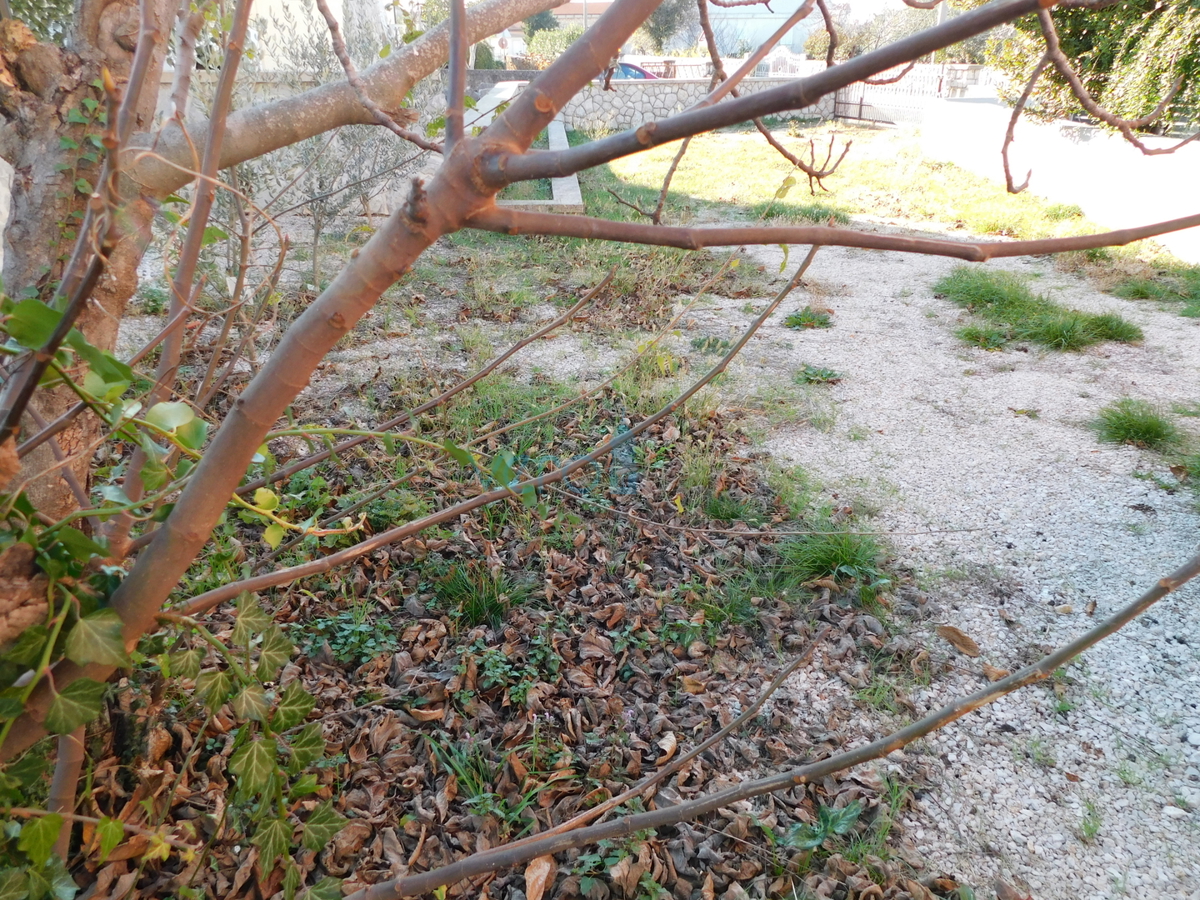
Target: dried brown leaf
(668, 744)
(538, 874)
(958, 639)
(992, 673)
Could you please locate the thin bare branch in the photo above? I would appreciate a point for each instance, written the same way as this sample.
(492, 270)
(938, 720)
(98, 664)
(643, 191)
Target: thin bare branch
(187, 33)
(67, 768)
(377, 112)
(1124, 126)
(509, 221)
(1012, 127)
(895, 78)
(456, 89)
(831, 30)
(502, 168)
(215, 597)
(511, 855)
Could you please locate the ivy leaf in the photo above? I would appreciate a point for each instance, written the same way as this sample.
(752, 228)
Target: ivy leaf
(251, 620)
(13, 885)
(252, 703)
(96, 638)
(306, 747)
(839, 821)
(32, 322)
(303, 786)
(78, 544)
(272, 839)
(52, 880)
(27, 651)
(38, 837)
(292, 879)
(276, 650)
(186, 663)
(328, 888)
(169, 416)
(254, 764)
(214, 687)
(294, 707)
(322, 826)
(273, 535)
(502, 469)
(77, 704)
(111, 834)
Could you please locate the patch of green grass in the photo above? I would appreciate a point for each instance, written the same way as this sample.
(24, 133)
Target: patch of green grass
(1015, 313)
(809, 318)
(817, 375)
(727, 508)
(839, 555)
(475, 597)
(1173, 284)
(1137, 422)
(1089, 825)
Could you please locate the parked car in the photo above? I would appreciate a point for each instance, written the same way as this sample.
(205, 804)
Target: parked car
(629, 70)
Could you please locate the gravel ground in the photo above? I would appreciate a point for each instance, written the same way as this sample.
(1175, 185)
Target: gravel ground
(1091, 790)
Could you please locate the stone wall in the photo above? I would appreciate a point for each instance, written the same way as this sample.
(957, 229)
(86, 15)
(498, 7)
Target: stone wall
(632, 103)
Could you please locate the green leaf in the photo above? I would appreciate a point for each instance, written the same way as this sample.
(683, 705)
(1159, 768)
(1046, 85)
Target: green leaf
(212, 234)
(273, 535)
(294, 707)
(31, 323)
(65, 143)
(154, 474)
(839, 821)
(304, 785)
(786, 249)
(251, 620)
(96, 638)
(306, 747)
(469, 102)
(193, 434)
(460, 455)
(169, 416)
(79, 545)
(111, 834)
(502, 469)
(274, 653)
(76, 704)
(385, 51)
(328, 888)
(435, 126)
(75, 117)
(30, 646)
(186, 663)
(272, 838)
(13, 884)
(788, 184)
(252, 703)
(83, 185)
(53, 881)
(10, 708)
(214, 688)
(265, 498)
(292, 879)
(38, 837)
(322, 826)
(254, 764)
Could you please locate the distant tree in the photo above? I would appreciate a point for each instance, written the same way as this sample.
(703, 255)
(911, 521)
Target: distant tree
(671, 17)
(546, 46)
(1128, 56)
(543, 21)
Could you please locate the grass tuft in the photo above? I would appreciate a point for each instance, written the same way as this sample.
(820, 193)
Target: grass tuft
(1015, 313)
(476, 597)
(839, 555)
(816, 375)
(1138, 423)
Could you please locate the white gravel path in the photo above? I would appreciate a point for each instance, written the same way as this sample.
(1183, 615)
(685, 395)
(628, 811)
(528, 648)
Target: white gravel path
(925, 427)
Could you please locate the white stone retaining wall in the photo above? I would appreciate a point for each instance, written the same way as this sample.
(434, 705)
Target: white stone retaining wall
(632, 103)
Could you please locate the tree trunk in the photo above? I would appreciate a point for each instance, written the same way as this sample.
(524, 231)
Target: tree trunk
(51, 108)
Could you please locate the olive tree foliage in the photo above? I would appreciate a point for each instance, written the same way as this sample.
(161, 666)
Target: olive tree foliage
(1130, 55)
(90, 560)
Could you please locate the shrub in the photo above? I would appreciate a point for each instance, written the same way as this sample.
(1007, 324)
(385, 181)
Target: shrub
(549, 44)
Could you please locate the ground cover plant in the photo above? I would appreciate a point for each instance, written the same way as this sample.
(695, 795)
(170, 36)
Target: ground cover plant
(424, 640)
(1138, 423)
(1015, 313)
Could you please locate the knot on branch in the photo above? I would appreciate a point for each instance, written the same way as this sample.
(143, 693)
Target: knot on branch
(27, 64)
(416, 208)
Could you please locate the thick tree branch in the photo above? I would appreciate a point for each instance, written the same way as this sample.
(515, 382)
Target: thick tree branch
(501, 169)
(264, 127)
(512, 855)
(510, 221)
